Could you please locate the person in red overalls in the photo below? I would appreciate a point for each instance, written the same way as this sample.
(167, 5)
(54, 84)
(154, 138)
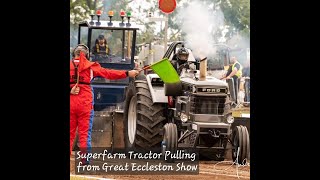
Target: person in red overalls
(82, 71)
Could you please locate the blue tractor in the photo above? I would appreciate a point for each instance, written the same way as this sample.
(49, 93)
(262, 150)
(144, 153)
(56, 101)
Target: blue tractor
(120, 41)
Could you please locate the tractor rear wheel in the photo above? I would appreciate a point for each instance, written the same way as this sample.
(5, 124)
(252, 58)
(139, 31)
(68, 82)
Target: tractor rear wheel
(143, 119)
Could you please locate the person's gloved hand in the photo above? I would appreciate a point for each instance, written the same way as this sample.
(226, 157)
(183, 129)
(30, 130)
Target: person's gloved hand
(75, 90)
(133, 73)
(192, 67)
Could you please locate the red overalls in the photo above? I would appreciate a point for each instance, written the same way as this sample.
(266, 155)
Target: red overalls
(81, 105)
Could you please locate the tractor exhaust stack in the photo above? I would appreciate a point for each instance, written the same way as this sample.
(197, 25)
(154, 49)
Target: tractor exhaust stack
(203, 69)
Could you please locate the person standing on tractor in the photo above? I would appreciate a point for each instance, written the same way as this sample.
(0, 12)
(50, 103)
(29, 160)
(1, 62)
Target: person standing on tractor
(234, 72)
(82, 71)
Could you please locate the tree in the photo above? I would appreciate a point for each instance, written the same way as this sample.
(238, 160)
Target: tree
(237, 15)
(140, 15)
(81, 9)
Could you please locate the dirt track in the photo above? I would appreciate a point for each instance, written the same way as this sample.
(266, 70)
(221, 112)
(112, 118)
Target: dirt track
(225, 170)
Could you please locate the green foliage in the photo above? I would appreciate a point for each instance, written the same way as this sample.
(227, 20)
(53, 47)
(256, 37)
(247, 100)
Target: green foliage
(237, 14)
(80, 9)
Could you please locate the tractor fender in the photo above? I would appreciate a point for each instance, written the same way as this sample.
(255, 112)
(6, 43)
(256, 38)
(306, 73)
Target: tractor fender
(157, 92)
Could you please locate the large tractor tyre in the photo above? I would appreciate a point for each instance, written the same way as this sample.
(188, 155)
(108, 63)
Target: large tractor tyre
(143, 120)
(246, 132)
(138, 77)
(170, 141)
(237, 144)
(240, 143)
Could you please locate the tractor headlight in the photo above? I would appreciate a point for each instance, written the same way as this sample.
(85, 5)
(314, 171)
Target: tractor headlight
(194, 89)
(230, 119)
(183, 117)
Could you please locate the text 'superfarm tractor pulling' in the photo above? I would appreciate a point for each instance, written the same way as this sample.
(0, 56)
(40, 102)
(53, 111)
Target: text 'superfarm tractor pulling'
(146, 113)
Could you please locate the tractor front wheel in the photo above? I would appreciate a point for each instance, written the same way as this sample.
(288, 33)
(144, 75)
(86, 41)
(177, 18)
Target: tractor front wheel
(170, 141)
(241, 144)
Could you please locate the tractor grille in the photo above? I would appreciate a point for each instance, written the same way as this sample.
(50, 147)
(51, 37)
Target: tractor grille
(208, 104)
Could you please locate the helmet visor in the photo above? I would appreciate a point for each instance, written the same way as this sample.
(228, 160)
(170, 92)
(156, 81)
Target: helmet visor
(183, 57)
